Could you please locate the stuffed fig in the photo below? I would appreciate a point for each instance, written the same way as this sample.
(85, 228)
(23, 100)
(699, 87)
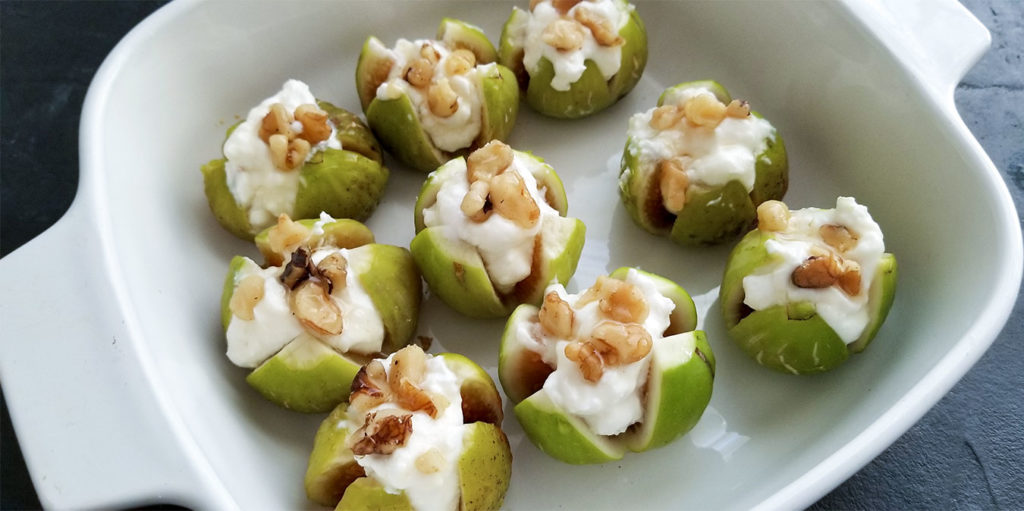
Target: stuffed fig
(297, 156)
(431, 100)
(617, 367)
(492, 232)
(419, 432)
(574, 58)
(808, 287)
(696, 167)
(327, 300)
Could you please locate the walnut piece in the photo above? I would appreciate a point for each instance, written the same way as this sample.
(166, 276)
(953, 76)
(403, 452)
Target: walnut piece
(704, 110)
(381, 433)
(610, 344)
(442, 100)
(564, 35)
(665, 117)
(821, 271)
(556, 316)
(838, 237)
(511, 200)
(488, 161)
(286, 235)
(772, 216)
(315, 309)
(673, 183)
(602, 29)
(247, 295)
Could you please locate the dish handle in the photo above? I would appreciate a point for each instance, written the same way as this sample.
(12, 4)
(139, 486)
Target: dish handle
(939, 40)
(79, 398)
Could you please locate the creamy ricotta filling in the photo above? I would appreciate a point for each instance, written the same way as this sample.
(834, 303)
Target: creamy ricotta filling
(452, 133)
(726, 153)
(505, 248)
(256, 184)
(397, 471)
(252, 342)
(772, 285)
(568, 65)
(615, 401)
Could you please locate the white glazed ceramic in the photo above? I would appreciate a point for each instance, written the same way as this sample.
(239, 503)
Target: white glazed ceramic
(112, 355)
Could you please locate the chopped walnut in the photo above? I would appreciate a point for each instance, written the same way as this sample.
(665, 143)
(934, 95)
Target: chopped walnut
(315, 128)
(442, 100)
(625, 303)
(673, 183)
(610, 344)
(333, 269)
(430, 53)
(297, 270)
(556, 316)
(602, 29)
(564, 35)
(665, 117)
(373, 385)
(772, 216)
(420, 72)
(738, 109)
(381, 433)
(512, 200)
(286, 235)
(838, 237)
(247, 295)
(459, 62)
(315, 309)
(704, 110)
(821, 271)
(288, 149)
(488, 161)
(475, 204)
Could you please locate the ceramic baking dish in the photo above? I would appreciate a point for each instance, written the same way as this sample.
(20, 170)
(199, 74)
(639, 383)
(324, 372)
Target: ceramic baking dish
(112, 356)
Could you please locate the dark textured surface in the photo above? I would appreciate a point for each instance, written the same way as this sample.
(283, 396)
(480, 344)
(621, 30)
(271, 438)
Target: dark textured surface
(966, 453)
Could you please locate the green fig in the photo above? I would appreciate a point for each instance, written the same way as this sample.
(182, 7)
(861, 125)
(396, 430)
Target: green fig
(795, 335)
(699, 181)
(574, 62)
(278, 320)
(451, 401)
(431, 100)
(341, 174)
(541, 368)
(506, 252)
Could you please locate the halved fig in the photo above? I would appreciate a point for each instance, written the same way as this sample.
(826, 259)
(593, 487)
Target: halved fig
(793, 335)
(371, 293)
(467, 449)
(484, 267)
(568, 78)
(342, 175)
(479, 97)
(671, 383)
(699, 181)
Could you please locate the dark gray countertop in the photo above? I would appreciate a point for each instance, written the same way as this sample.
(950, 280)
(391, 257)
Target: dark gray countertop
(967, 452)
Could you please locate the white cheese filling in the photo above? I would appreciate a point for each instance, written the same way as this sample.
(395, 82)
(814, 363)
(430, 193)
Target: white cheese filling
(252, 342)
(726, 153)
(397, 471)
(772, 285)
(615, 401)
(256, 184)
(505, 248)
(452, 133)
(527, 32)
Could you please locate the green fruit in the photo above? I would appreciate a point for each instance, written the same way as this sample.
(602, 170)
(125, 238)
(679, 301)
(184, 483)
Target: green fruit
(332, 467)
(591, 93)
(711, 215)
(305, 376)
(345, 183)
(677, 390)
(793, 338)
(396, 121)
(454, 269)
(484, 466)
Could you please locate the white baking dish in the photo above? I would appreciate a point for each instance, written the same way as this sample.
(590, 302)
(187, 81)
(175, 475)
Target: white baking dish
(112, 355)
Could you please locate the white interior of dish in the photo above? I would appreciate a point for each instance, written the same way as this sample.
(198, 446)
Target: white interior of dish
(854, 124)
